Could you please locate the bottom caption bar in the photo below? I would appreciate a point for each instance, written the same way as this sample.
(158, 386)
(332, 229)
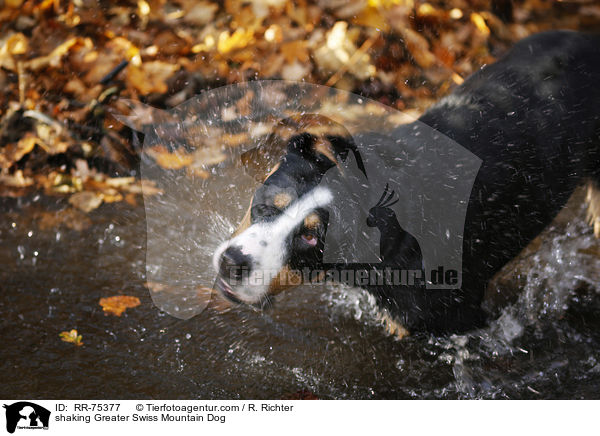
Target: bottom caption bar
(296, 417)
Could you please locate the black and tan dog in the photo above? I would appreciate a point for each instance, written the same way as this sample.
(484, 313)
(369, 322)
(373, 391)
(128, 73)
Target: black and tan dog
(533, 118)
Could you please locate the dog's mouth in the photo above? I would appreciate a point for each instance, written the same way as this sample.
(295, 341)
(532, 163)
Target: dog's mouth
(226, 291)
(230, 295)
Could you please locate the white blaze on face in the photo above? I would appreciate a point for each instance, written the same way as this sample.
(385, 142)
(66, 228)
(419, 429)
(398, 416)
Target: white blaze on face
(265, 244)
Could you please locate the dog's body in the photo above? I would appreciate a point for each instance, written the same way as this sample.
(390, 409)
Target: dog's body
(533, 118)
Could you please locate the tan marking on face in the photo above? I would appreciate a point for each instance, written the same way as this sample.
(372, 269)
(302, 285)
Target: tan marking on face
(286, 279)
(593, 201)
(282, 200)
(312, 221)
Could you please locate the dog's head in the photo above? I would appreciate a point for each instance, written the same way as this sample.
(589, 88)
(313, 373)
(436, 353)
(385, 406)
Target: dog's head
(284, 229)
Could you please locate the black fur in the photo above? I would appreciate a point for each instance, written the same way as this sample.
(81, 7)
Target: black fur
(533, 117)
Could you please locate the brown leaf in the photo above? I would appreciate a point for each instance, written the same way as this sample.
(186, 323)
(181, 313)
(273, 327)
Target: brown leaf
(295, 50)
(15, 152)
(117, 304)
(70, 218)
(151, 76)
(418, 47)
(86, 201)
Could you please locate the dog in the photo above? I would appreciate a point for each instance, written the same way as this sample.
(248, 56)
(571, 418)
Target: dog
(532, 118)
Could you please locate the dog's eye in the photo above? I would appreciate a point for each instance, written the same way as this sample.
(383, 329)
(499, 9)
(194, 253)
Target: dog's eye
(309, 239)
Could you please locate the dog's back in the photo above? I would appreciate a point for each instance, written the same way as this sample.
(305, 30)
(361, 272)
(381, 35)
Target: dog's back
(534, 120)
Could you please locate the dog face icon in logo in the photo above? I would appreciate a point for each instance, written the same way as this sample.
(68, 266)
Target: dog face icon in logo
(24, 414)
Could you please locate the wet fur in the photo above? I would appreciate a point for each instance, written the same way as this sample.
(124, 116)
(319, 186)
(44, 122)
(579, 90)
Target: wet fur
(533, 118)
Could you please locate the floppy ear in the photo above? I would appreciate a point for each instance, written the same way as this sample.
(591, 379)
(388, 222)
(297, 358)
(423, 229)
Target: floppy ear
(327, 150)
(342, 146)
(315, 137)
(260, 161)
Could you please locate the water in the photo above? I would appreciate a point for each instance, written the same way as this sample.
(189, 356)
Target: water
(544, 343)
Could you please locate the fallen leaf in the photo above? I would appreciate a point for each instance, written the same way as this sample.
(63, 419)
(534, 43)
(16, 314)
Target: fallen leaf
(240, 39)
(16, 180)
(117, 304)
(295, 50)
(418, 47)
(168, 160)
(201, 13)
(479, 22)
(86, 201)
(15, 152)
(71, 337)
(70, 218)
(151, 76)
(53, 59)
(15, 44)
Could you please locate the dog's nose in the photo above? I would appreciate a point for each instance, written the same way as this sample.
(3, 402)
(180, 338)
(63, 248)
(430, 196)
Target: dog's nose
(234, 263)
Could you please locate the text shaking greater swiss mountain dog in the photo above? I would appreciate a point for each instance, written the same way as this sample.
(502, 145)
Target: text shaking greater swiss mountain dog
(533, 118)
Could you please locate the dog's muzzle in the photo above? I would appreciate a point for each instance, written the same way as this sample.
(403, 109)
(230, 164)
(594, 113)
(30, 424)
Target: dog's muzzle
(248, 264)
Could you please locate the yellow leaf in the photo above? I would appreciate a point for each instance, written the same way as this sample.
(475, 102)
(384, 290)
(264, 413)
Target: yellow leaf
(240, 39)
(118, 303)
(17, 44)
(371, 17)
(479, 22)
(52, 59)
(71, 337)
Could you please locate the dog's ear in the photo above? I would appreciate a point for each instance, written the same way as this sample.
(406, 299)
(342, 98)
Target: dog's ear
(325, 150)
(259, 162)
(342, 145)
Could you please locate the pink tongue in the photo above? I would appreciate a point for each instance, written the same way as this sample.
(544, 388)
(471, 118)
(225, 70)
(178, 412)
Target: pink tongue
(312, 242)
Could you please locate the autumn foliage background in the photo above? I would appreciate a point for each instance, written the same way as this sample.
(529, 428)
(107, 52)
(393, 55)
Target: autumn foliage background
(64, 65)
